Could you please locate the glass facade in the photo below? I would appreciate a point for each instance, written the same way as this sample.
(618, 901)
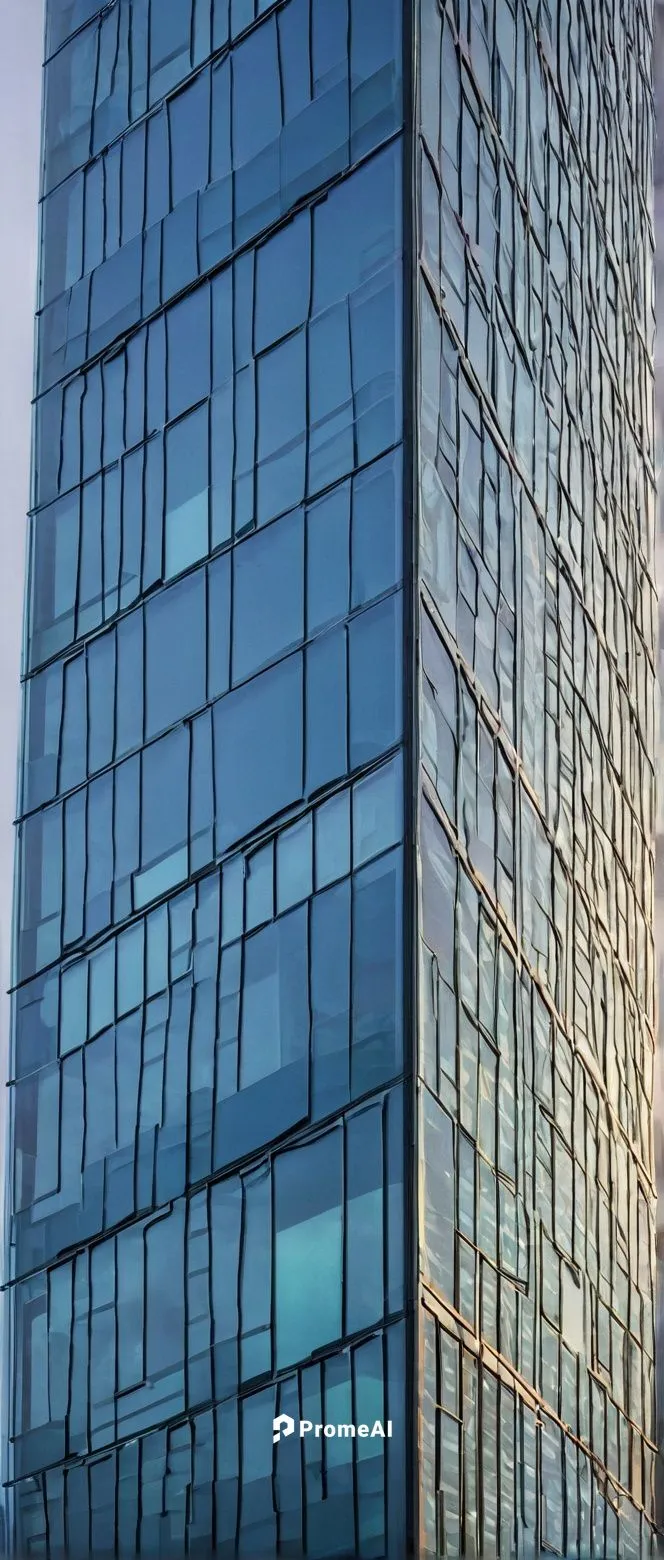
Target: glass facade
(333, 1014)
(536, 457)
(208, 1220)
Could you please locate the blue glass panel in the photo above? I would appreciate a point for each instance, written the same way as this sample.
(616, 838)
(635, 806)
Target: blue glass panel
(188, 335)
(308, 1274)
(282, 283)
(377, 812)
(201, 797)
(70, 82)
(377, 973)
(165, 1301)
(55, 548)
(101, 684)
(282, 417)
(164, 815)
(132, 502)
(243, 308)
(112, 541)
(258, 750)
(330, 999)
(294, 40)
(268, 606)
(326, 709)
(221, 161)
(187, 478)
(127, 826)
(256, 116)
(255, 1344)
(232, 900)
(366, 209)
(259, 890)
(41, 889)
(130, 689)
(222, 464)
(374, 56)
(375, 680)
(37, 1024)
(153, 571)
(73, 746)
(94, 227)
(270, 1092)
(99, 861)
(329, 43)
(170, 45)
(175, 653)
(440, 716)
(328, 523)
(219, 626)
(133, 183)
(364, 1227)
(115, 296)
(331, 406)
(223, 346)
(377, 530)
(155, 397)
(375, 330)
(112, 83)
(438, 890)
(275, 1021)
(66, 19)
(438, 1156)
(179, 253)
(294, 864)
(189, 125)
(62, 238)
(332, 839)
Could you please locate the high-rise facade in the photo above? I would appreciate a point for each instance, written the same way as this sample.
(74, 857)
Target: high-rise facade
(658, 83)
(334, 1017)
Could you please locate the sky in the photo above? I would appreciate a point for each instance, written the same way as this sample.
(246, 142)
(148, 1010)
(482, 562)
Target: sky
(21, 47)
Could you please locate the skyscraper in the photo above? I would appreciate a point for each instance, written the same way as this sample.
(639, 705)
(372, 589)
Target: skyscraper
(334, 1017)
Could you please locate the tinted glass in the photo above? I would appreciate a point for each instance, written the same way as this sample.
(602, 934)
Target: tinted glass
(211, 831)
(533, 1083)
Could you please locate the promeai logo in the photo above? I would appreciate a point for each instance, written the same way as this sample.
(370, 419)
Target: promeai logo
(284, 1425)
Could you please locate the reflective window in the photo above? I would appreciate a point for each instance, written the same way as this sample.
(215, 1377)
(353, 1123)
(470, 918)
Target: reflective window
(274, 1014)
(186, 504)
(255, 1228)
(320, 110)
(255, 464)
(258, 743)
(188, 337)
(377, 971)
(309, 1249)
(296, 1020)
(375, 692)
(175, 653)
(235, 1437)
(164, 816)
(284, 309)
(536, 812)
(209, 917)
(268, 596)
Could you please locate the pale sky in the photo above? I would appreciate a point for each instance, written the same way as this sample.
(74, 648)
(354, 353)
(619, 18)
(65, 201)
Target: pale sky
(21, 47)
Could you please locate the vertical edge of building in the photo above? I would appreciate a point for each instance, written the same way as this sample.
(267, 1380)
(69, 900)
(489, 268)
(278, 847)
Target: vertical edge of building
(658, 75)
